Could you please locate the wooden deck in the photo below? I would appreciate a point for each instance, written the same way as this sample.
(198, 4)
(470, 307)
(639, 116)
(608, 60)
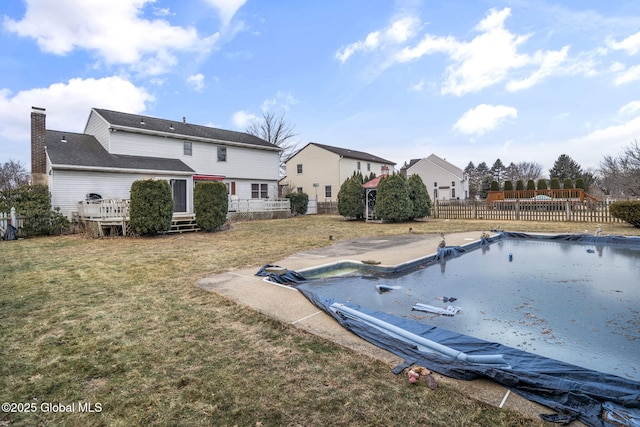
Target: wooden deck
(111, 216)
(571, 194)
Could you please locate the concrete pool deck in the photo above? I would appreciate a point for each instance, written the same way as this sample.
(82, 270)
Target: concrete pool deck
(290, 306)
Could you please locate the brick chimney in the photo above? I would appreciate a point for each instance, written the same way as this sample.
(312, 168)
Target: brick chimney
(38, 141)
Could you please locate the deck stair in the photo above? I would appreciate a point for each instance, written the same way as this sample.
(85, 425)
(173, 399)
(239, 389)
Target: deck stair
(184, 224)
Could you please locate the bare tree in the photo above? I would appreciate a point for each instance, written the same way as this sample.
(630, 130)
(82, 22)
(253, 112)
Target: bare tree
(276, 130)
(529, 170)
(621, 175)
(13, 174)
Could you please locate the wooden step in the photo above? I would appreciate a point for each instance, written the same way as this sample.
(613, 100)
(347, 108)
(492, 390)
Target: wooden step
(184, 225)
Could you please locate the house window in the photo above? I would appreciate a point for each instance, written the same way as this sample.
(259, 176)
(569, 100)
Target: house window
(259, 191)
(453, 193)
(222, 153)
(186, 148)
(453, 183)
(358, 167)
(299, 168)
(327, 191)
(435, 184)
(231, 188)
(299, 189)
(368, 167)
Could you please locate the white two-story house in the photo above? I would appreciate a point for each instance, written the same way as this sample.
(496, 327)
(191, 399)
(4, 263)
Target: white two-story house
(319, 170)
(443, 180)
(118, 148)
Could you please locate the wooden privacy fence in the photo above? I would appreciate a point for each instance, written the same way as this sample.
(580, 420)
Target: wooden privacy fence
(525, 210)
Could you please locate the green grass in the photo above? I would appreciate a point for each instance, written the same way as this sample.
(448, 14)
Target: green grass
(122, 323)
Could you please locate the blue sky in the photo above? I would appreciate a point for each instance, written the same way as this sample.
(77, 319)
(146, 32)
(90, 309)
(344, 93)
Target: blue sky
(473, 81)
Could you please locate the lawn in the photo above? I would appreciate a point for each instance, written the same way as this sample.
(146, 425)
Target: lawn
(115, 332)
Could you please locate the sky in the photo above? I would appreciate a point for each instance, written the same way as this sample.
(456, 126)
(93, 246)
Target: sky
(475, 81)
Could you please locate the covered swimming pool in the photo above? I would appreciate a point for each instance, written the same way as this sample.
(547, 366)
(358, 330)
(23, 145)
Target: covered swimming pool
(556, 313)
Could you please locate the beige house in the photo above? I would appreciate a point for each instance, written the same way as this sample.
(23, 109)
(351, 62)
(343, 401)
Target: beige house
(443, 180)
(319, 170)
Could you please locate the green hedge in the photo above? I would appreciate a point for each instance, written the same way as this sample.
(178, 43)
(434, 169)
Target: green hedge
(392, 199)
(151, 207)
(351, 198)
(299, 203)
(419, 196)
(626, 211)
(33, 206)
(211, 204)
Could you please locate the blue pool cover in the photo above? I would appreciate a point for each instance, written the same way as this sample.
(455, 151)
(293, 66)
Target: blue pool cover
(594, 398)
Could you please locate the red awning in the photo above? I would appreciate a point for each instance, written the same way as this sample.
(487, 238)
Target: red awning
(208, 177)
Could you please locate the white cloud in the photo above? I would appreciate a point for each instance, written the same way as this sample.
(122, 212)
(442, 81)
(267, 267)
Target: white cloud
(630, 45)
(610, 140)
(284, 100)
(241, 119)
(418, 87)
(113, 31)
(630, 108)
(196, 82)
(488, 58)
(397, 32)
(68, 106)
(226, 8)
(627, 75)
(484, 118)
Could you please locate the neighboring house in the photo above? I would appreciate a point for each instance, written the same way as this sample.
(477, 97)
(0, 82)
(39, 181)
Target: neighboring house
(319, 170)
(443, 180)
(117, 149)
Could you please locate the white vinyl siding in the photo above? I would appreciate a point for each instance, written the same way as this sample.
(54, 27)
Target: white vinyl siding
(75, 185)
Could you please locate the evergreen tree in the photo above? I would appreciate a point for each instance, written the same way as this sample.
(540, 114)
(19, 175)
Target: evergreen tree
(495, 186)
(565, 167)
(519, 185)
(498, 171)
(554, 183)
(485, 186)
(531, 185)
(211, 204)
(542, 184)
(567, 184)
(392, 201)
(508, 185)
(351, 197)
(419, 197)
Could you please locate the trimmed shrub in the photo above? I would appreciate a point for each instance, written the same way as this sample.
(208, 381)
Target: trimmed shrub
(626, 211)
(495, 186)
(580, 184)
(542, 184)
(33, 205)
(508, 185)
(567, 184)
(392, 199)
(151, 207)
(520, 185)
(531, 185)
(299, 203)
(211, 204)
(554, 184)
(351, 198)
(419, 197)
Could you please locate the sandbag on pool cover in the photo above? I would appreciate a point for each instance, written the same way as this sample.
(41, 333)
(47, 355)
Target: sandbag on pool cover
(565, 388)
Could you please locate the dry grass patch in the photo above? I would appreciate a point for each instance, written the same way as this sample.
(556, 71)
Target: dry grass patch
(121, 322)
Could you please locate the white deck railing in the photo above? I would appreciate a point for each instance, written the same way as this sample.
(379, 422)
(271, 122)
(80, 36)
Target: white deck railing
(105, 209)
(259, 205)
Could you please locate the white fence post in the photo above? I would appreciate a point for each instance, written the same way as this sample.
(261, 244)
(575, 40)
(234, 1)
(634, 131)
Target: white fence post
(14, 219)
